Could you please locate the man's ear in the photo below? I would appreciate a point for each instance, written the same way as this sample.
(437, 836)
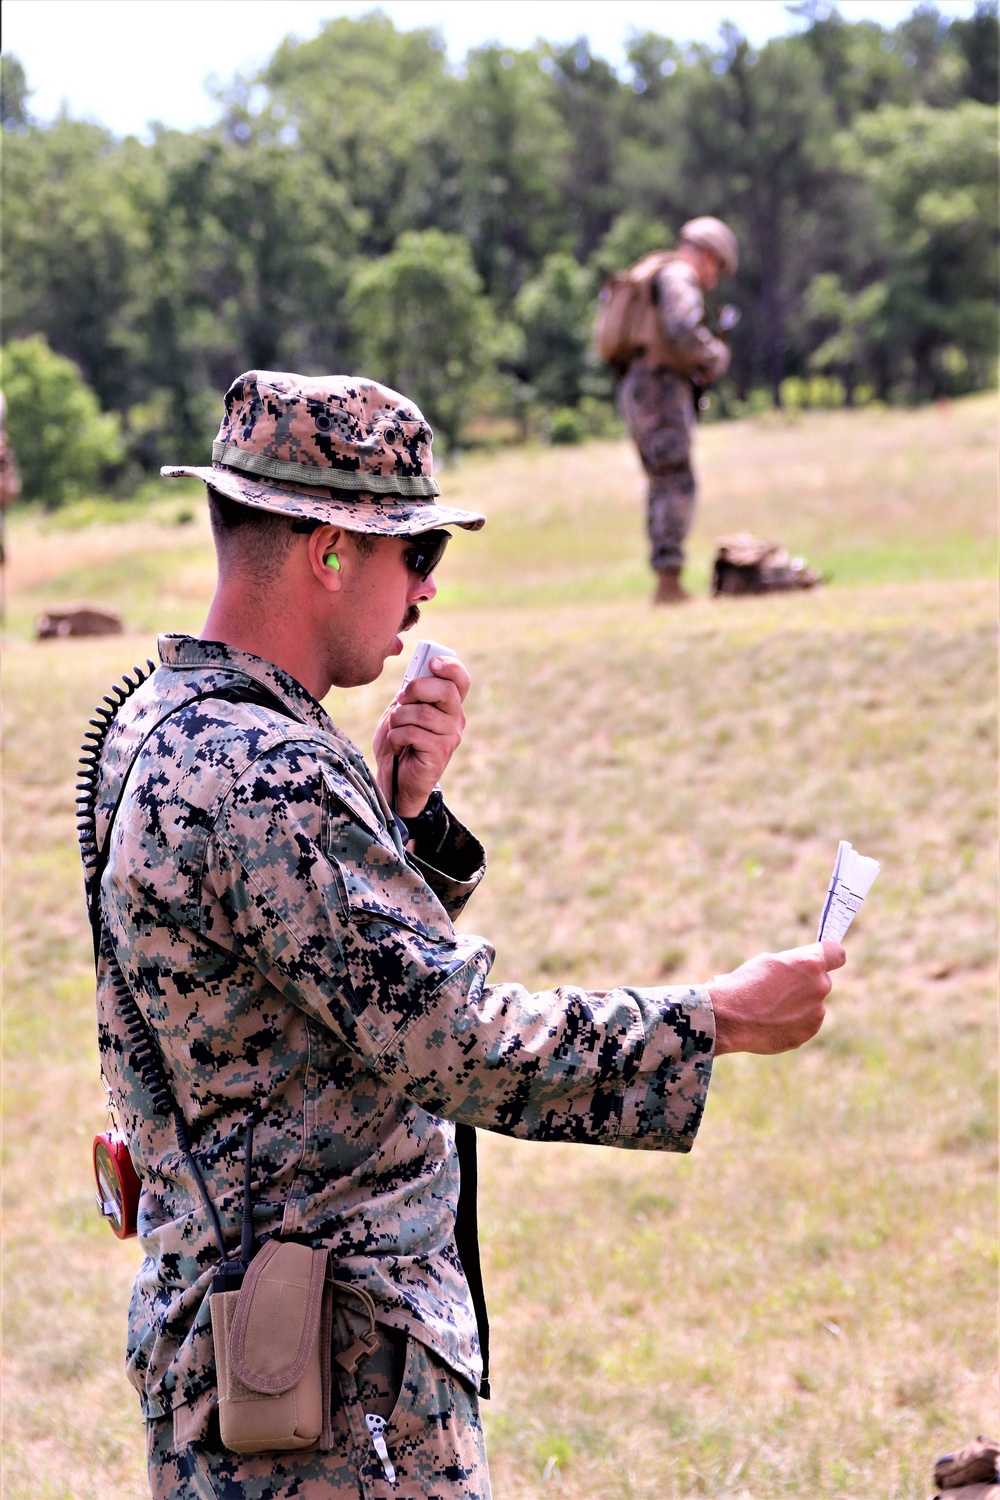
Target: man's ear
(325, 556)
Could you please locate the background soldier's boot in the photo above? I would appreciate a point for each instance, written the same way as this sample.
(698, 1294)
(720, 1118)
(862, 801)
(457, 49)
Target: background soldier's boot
(669, 589)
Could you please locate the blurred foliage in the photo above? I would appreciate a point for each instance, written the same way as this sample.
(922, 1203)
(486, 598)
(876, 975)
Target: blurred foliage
(422, 324)
(554, 311)
(631, 236)
(361, 204)
(61, 437)
(855, 326)
(14, 93)
(934, 179)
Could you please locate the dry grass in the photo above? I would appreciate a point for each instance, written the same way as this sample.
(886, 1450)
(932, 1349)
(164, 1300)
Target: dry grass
(805, 1306)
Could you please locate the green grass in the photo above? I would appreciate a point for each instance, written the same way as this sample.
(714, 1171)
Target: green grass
(805, 1305)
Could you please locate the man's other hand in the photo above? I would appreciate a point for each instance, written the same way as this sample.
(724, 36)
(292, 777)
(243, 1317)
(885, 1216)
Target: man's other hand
(774, 1002)
(423, 725)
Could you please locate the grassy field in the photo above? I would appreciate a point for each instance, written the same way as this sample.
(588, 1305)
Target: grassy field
(805, 1305)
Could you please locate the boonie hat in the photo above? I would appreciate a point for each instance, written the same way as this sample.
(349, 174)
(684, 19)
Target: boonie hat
(339, 449)
(715, 237)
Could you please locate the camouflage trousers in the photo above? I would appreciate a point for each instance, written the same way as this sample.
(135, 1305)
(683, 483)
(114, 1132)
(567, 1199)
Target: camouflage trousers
(657, 407)
(434, 1438)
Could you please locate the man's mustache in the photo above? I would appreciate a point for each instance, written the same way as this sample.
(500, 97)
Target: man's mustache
(410, 618)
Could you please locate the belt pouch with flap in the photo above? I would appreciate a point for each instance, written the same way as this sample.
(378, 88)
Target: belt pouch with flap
(272, 1352)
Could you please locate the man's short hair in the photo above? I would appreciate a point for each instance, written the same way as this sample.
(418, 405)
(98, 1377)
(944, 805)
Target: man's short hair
(258, 541)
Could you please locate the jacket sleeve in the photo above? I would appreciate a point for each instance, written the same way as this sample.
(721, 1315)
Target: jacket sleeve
(339, 921)
(455, 867)
(682, 315)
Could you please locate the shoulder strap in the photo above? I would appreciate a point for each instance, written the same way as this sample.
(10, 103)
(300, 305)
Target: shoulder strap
(467, 1241)
(466, 1219)
(232, 693)
(148, 1059)
(649, 267)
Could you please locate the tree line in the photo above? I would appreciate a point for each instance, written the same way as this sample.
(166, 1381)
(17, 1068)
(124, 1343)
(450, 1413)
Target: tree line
(363, 205)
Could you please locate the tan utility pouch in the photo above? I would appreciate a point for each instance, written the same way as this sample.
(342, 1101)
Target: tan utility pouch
(272, 1352)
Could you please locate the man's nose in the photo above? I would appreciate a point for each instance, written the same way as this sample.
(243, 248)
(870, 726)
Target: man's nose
(425, 590)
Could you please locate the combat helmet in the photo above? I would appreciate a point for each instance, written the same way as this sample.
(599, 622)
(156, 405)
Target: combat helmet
(715, 237)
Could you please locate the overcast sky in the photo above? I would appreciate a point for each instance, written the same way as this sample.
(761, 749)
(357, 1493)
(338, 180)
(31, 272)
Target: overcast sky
(126, 62)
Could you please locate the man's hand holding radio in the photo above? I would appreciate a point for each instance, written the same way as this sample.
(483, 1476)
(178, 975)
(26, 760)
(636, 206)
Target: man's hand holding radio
(774, 1002)
(423, 726)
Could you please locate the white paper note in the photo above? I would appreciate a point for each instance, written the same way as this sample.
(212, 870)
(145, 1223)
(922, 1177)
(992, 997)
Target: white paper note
(852, 879)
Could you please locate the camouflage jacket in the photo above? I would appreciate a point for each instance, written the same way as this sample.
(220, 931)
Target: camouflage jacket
(291, 957)
(693, 348)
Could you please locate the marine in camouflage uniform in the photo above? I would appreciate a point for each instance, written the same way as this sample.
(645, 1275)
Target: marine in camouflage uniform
(656, 396)
(295, 958)
(290, 942)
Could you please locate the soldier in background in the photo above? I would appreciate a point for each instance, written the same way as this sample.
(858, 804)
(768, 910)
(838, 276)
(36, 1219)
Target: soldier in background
(658, 391)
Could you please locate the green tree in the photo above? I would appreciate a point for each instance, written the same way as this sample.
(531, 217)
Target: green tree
(423, 326)
(865, 66)
(857, 70)
(854, 325)
(368, 107)
(930, 55)
(650, 153)
(590, 99)
(248, 254)
(933, 175)
(14, 93)
(72, 245)
(182, 343)
(555, 311)
(288, 239)
(62, 439)
(513, 144)
(758, 153)
(631, 236)
(978, 39)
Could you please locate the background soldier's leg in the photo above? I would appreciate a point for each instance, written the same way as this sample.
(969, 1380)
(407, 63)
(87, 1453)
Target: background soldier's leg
(658, 408)
(671, 512)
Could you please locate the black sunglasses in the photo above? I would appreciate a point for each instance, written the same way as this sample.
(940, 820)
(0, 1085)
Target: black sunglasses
(423, 553)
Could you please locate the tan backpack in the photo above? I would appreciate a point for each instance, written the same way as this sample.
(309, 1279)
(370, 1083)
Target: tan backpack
(744, 564)
(627, 322)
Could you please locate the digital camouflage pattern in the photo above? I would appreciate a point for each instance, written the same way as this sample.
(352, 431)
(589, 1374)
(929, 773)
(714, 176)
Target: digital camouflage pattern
(434, 1437)
(657, 407)
(656, 402)
(695, 351)
(290, 957)
(335, 448)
